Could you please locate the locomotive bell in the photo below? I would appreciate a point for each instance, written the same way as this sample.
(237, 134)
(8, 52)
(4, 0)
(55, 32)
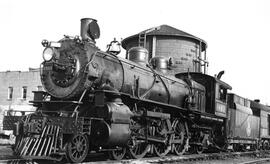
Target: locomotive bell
(138, 55)
(89, 29)
(114, 47)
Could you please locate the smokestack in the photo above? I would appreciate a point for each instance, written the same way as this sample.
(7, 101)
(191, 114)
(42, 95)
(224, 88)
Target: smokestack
(89, 29)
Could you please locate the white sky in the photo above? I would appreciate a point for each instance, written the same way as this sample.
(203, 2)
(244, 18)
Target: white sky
(237, 32)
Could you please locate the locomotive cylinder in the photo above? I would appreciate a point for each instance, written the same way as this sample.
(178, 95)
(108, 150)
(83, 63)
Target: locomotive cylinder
(118, 131)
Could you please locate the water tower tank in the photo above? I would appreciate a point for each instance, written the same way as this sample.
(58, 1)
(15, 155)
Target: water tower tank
(186, 51)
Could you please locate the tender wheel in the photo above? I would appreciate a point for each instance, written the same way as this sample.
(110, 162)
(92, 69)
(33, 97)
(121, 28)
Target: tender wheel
(196, 149)
(200, 138)
(236, 147)
(179, 148)
(229, 147)
(265, 145)
(77, 148)
(162, 149)
(199, 149)
(118, 154)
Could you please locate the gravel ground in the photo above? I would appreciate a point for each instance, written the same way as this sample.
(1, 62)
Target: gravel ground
(236, 160)
(7, 153)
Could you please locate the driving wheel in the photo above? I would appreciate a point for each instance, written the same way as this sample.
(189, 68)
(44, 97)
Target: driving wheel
(179, 147)
(118, 154)
(161, 131)
(138, 146)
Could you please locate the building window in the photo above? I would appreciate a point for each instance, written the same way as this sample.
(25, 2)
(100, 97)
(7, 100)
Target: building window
(268, 119)
(39, 88)
(24, 92)
(10, 93)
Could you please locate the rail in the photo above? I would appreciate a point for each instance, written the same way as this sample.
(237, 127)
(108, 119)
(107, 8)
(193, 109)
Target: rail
(194, 158)
(257, 161)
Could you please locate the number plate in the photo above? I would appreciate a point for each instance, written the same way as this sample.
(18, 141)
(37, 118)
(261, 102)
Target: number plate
(48, 67)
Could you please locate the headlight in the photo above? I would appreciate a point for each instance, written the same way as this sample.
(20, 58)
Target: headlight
(48, 53)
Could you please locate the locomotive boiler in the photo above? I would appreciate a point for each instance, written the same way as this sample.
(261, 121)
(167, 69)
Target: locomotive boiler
(76, 67)
(97, 101)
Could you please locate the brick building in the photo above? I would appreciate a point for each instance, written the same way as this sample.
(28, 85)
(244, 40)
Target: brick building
(16, 90)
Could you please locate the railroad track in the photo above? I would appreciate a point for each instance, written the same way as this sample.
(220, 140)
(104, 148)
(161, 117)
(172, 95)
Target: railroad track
(261, 157)
(200, 157)
(257, 161)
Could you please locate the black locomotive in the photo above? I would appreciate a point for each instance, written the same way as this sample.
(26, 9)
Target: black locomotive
(148, 103)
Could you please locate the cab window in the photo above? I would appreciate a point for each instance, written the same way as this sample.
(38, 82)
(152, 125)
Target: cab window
(221, 93)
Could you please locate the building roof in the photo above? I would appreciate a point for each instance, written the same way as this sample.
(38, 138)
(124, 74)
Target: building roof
(165, 30)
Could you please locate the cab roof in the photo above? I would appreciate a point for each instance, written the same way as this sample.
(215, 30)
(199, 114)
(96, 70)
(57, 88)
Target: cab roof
(206, 77)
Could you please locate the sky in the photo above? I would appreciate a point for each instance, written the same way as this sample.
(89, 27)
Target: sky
(237, 32)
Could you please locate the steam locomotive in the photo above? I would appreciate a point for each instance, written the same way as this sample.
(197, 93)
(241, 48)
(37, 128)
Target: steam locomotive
(152, 102)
